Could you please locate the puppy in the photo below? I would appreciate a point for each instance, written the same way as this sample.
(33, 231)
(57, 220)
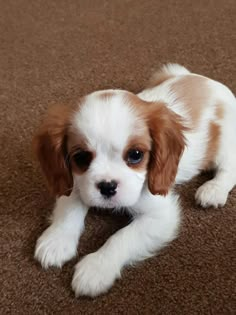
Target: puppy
(118, 150)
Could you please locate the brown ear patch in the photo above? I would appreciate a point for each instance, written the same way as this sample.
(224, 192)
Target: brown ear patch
(50, 146)
(167, 133)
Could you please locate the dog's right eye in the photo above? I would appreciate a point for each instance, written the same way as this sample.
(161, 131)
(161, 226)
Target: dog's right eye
(83, 159)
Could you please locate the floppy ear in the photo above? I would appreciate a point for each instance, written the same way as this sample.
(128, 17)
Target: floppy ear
(50, 146)
(167, 147)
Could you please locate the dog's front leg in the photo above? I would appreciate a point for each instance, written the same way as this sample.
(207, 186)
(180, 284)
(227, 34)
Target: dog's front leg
(155, 223)
(59, 241)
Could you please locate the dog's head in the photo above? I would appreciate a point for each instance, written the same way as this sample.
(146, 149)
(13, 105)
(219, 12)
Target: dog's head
(108, 146)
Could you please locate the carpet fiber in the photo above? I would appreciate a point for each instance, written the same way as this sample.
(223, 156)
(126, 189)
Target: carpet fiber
(55, 51)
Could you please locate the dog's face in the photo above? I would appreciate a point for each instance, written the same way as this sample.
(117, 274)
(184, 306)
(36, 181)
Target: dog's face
(108, 146)
(110, 165)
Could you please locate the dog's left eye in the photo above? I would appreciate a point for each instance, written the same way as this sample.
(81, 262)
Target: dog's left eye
(134, 156)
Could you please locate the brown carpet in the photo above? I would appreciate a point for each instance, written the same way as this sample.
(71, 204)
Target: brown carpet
(55, 51)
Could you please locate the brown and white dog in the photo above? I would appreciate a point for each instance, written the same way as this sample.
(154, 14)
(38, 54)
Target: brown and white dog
(118, 150)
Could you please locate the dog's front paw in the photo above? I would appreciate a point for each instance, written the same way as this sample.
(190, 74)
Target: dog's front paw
(211, 194)
(55, 246)
(94, 275)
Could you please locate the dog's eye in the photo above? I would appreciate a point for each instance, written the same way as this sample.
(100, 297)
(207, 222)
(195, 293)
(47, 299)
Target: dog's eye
(134, 156)
(83, 159)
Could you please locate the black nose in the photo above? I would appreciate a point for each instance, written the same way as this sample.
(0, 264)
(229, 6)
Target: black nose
(107, 189)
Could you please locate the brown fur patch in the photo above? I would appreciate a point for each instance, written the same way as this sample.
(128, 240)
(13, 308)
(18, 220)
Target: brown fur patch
(50, 146)
(193, 92)
(166, 130)
(212, 147)
(219, 111)
(214, 139)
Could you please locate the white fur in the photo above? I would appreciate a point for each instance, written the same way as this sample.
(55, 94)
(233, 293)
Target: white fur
(155, 224)
(112, 123)
(168, 71)
(107, 126)
(59, 241)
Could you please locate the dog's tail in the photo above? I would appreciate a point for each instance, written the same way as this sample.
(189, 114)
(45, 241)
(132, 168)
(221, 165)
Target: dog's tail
(166, 72)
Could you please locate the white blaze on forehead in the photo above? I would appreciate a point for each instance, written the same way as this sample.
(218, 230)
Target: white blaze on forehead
(108, 120)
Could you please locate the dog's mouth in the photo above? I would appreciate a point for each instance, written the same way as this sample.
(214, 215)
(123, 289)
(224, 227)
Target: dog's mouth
(108, 203)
